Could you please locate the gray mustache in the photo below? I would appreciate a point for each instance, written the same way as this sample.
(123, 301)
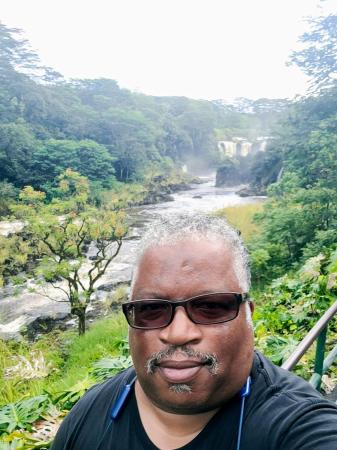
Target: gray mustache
(210, 360)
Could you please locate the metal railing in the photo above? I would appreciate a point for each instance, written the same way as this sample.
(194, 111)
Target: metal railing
(319, 332)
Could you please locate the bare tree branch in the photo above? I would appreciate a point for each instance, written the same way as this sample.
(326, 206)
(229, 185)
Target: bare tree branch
(108, 261)
(44, 293)
(61, 289)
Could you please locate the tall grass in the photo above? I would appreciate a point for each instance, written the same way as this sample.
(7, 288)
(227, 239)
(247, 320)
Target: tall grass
(68, 356)
(241, 218)
(104, 338)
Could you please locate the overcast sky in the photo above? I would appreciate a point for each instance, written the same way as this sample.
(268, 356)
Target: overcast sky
(196, 48)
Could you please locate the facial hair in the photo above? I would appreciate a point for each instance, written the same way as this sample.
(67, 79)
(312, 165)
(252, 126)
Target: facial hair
(210, 360)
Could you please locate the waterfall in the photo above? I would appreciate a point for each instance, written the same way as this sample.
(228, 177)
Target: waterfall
(242, 147)
(227, 148)
(279, 175)
(263, 145)
(245, 148)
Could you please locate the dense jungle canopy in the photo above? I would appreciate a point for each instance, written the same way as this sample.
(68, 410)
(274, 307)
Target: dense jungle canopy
(106, 133)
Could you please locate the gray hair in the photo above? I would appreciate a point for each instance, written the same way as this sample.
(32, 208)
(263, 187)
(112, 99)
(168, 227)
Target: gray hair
(171, 229)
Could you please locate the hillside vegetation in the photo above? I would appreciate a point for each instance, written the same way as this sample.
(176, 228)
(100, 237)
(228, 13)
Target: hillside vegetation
(107, 134)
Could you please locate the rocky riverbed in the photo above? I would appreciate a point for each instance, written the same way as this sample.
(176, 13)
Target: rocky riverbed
(33, 308)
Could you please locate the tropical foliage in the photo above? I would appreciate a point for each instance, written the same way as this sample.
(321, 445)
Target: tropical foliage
(75, 364)
(292, 305)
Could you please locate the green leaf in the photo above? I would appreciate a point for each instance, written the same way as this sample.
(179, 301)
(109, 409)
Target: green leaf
(107, 367)
(23, 413)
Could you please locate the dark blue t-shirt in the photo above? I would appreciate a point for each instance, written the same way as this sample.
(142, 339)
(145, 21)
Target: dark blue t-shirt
(283, 412)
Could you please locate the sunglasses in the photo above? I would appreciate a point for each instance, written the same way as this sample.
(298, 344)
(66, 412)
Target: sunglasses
(207, 309)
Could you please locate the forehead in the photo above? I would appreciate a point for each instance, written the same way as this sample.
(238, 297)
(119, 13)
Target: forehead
(185, 268)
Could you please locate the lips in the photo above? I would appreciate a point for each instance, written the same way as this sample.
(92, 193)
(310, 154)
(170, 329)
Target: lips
(179, 371)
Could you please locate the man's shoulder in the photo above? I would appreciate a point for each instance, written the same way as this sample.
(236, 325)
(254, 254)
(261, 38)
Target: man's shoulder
(274, 381)
(284, 393)
(294, 415)
(107, 390)
(99, 399)
(92, 412)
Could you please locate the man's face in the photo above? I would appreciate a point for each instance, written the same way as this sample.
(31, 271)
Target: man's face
(181, 382)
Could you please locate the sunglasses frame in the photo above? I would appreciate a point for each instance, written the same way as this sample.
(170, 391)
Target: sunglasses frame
(240, 298)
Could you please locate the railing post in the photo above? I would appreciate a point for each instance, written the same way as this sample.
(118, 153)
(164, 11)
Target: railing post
(319, 358)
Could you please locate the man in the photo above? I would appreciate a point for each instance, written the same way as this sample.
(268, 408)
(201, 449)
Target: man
(197, 382)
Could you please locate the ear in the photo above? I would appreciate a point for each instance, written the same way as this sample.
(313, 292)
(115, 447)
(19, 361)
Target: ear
(251, 306)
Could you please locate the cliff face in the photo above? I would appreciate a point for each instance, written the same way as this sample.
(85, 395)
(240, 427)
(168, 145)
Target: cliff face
(228, 176)
(233, 173)
(232, 177)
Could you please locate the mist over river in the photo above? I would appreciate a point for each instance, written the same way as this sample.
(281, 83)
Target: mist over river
(21, 307)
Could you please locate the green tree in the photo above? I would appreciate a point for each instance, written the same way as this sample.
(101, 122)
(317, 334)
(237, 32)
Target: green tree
(315, 160)
(15, 52)
(62, 244)
(199, 123)
(131, 139)
(30, 203)
(87, 157)
(8, 194)
(176, 141)
(295, 223)
(17, 144)
(60, 233)
(293, 304)
(318, 57)
(14, 256)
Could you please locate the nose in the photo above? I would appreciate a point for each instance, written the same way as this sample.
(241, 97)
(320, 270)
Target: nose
(181, 331)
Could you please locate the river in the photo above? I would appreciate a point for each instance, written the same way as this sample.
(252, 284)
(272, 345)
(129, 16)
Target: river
(20, 307)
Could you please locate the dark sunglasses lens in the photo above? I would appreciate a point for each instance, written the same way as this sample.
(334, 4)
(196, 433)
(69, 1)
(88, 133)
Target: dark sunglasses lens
(214, 308)
(148, 314)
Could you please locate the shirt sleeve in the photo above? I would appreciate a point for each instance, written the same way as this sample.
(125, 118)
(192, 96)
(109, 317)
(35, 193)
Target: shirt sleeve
(310, 426)
(61, 441)
(287, 422)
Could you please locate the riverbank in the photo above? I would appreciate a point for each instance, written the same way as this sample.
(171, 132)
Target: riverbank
(28, 309)
(241, 217)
